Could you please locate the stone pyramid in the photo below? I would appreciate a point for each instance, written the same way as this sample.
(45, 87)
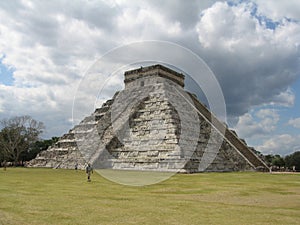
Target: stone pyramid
(153, 124)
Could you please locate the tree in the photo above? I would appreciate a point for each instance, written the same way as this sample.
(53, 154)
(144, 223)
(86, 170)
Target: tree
(293, 160)
(36, 148)
(274, 160)
(278, 161)
(268, 159)
(17, 135)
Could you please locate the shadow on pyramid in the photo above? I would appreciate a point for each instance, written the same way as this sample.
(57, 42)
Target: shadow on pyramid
(152, 125)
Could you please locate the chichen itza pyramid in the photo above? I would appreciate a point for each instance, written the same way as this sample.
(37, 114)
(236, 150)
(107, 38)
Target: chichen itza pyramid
(153, 124)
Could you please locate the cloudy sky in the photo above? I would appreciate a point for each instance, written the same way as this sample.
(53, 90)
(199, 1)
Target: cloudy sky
(252, 47)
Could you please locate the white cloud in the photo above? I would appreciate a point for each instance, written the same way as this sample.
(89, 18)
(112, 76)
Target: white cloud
(279, 9)
(49, 46)
(228, 27)
(254, 64)
(49, 104)
(139, 23)
(283, 144)
(285, 98)
(295, 122)
(261, 127)
(260, 124)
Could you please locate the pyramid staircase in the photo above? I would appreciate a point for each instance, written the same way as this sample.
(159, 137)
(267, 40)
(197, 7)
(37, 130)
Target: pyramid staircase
(161, 131)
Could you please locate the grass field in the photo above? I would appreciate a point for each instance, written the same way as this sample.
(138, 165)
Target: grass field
(47, 196)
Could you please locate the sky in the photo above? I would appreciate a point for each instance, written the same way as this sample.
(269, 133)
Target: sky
(252, 48)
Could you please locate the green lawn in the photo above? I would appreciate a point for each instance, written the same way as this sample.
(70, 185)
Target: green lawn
(47, 196)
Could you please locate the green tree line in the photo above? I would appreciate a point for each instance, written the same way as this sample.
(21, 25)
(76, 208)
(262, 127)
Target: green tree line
(289, 161)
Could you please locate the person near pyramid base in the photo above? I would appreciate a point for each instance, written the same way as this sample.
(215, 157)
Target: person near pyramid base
(89, 171)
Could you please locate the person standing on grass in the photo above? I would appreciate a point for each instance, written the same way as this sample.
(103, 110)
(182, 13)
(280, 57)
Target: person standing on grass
(89, 170)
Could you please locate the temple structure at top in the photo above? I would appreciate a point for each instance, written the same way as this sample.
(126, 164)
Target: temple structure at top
(151, 74)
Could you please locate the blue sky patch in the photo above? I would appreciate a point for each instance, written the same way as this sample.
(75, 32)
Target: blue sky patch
(6, 74)
(263, 20)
